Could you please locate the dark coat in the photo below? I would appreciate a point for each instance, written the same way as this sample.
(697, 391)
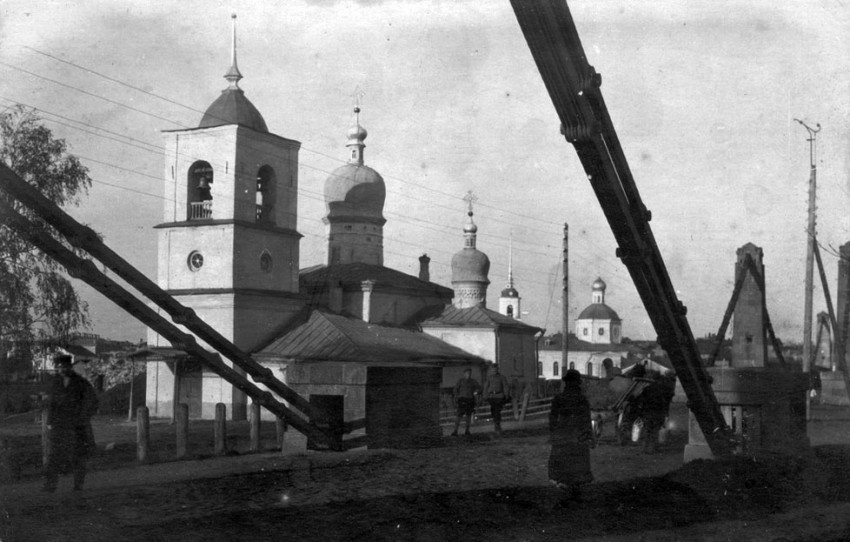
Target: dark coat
(70, 409)
(571, 434)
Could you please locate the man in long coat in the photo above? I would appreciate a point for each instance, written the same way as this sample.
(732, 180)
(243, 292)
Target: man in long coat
(71, 405)
(571, 435)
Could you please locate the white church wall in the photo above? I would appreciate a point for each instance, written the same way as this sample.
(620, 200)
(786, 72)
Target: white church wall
(480, 342)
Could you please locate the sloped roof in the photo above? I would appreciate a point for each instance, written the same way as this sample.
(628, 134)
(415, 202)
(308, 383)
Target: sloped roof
(333, 337)
(577, 345)
(475, 317)
(598, 311)
(352, 274)
(80, 353)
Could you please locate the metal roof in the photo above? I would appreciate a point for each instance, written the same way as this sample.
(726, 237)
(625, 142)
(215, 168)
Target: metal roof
(475, 317)
(352, 274)
(598, 311)
(333, 337)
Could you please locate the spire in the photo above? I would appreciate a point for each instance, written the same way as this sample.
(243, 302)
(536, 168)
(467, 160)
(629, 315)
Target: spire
(356, 135)
(233, 76)
(510, 260)
(470, 229)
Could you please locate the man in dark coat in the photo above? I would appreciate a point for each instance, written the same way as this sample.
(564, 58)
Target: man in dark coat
(71, 405)
(571, 435)
(466, 390)
(497, 392)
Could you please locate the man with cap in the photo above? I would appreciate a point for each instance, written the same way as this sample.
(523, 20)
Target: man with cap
(71, 405)
(465, 391)
(497, 392)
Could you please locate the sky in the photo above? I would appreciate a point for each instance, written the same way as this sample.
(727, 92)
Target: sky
(702, 94)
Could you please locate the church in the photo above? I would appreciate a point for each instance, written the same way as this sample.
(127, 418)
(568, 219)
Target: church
(347, 333)
(596, 348)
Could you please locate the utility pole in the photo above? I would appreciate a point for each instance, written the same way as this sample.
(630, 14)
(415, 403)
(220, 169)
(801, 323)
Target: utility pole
(565, 301)
(811, 237)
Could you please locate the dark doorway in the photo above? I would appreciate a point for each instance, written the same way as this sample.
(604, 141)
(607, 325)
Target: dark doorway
(332, 418)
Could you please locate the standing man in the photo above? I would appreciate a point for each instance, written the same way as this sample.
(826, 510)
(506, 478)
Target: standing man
(571, 434)
(71, 405)
(496, 391)
(465, 391)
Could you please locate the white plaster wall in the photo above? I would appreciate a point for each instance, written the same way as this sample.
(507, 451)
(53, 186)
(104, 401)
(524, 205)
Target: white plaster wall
(215, 243)
(481, 342)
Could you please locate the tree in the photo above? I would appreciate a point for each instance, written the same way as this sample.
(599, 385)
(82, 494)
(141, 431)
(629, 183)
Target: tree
(37, 301)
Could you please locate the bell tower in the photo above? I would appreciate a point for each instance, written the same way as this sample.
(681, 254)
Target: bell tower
(228, 245)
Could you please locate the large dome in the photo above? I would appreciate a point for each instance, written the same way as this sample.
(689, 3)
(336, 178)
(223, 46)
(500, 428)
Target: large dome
(232, 107)
(355, 190)
(470, 264)
(598, 311)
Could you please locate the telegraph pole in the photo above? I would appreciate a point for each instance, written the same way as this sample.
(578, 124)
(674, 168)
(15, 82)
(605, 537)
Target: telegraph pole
(565, 301)
(810, 249)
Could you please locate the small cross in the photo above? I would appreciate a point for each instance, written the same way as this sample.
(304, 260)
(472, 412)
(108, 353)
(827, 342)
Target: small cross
(470, 198)
(358, 96)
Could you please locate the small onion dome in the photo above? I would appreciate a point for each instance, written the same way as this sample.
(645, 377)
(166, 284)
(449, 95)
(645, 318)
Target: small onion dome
(598, 311)
(470, 226)
(232, 107)
(355, 191)
(470, 264)
(599, 284)
(356, 134)
(510, 291)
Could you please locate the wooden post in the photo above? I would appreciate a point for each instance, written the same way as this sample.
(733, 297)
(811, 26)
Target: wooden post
(565, 302)
(515, 405)
(255, 426)
(280, 430)
(45, 436)
(524, 407)
(220, 429)
(143, 432)
(182, 429)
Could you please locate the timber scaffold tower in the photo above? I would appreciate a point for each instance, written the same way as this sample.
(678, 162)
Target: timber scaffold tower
(574, 87)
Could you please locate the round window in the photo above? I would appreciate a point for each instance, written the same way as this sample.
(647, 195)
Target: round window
(195, 261)
(602, 331)
(266, 262)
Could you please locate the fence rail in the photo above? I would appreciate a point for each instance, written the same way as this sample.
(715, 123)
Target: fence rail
(523, 409)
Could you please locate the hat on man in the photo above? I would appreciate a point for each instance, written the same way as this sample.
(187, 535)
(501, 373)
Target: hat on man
(63, 360)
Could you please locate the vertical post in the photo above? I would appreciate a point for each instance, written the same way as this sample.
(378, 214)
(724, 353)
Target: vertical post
(220, 429)
(565, 302)
(280, 431)
(45, 436)
(176, 399)
(255, 426)
(132, 379)
(182, 430)
(810, 242)
(143, 432)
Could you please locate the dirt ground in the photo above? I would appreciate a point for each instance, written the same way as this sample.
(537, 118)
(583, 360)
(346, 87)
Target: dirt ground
(476, 488)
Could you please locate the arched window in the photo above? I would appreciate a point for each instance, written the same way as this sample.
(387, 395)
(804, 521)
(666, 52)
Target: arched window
(510, 311)
(589, 369)
(555, 369)
(572, 365)
(266, 184)
(199, 186)
(608, 367)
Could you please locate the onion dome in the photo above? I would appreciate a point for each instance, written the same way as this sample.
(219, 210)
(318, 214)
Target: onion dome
(232, 107)
(355, 190)
(599, 284)
(470, 264)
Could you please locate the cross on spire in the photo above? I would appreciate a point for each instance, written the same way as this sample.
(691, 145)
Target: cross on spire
(470, 198)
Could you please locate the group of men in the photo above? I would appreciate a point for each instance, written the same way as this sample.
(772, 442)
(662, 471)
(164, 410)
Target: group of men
(468, 393)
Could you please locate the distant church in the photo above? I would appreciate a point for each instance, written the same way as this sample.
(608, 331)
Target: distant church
(596, 348)
(229, 249)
